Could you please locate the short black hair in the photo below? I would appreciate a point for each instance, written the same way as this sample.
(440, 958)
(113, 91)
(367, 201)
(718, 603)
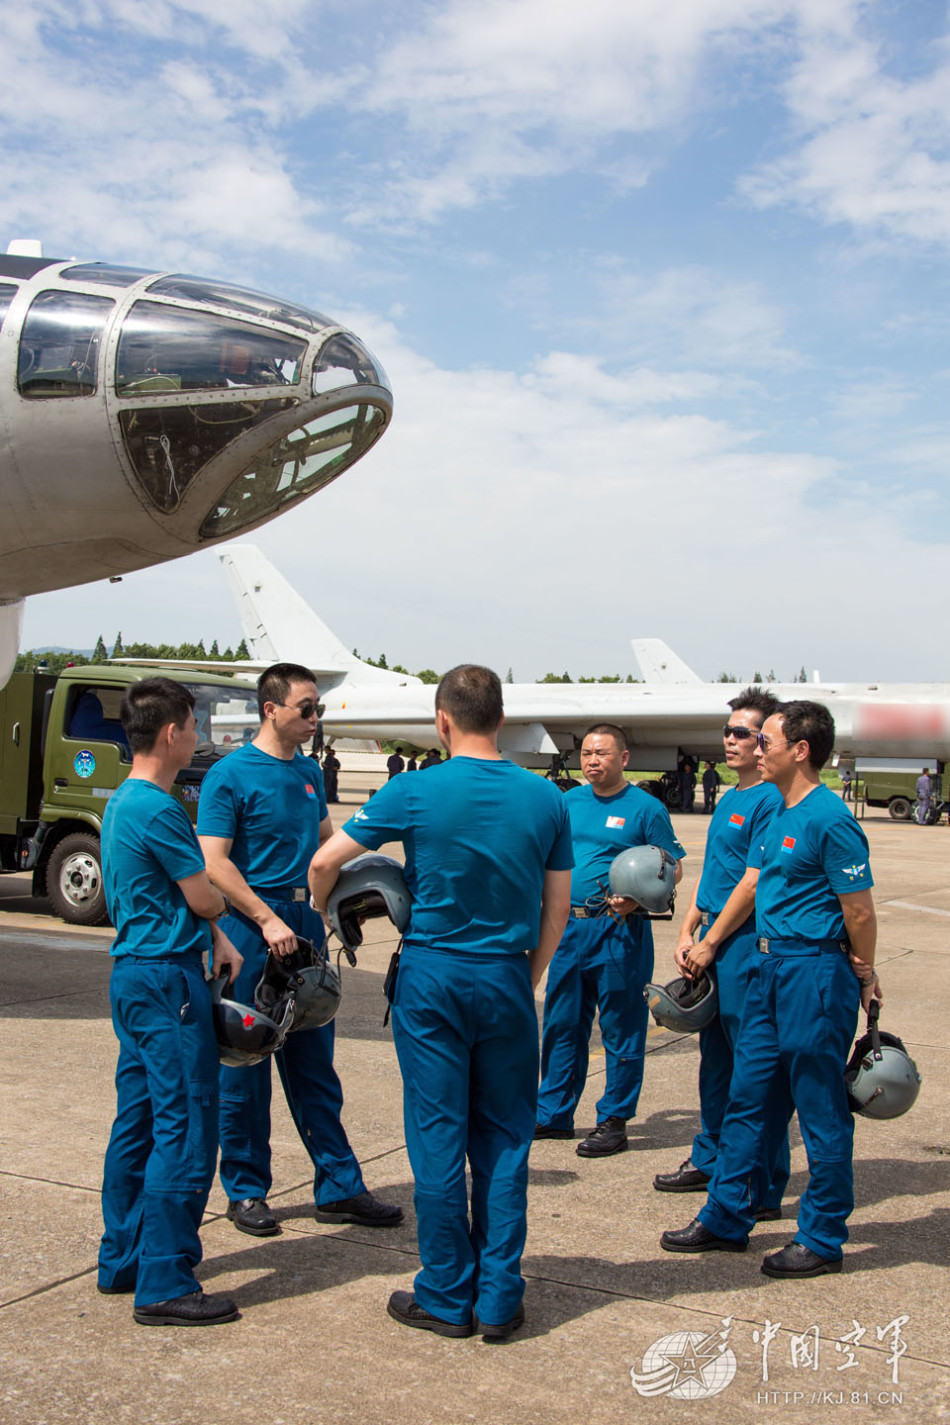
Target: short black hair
(803, 721)
(149, 706)
(608, 729)
(274, 683)
(755, 700)
(471, 695)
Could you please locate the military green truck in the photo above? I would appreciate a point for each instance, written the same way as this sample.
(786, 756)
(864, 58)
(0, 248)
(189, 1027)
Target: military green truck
(62, 755)
(893, 784)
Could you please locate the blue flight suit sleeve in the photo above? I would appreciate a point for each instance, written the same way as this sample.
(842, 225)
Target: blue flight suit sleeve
(659, 831)
(561, 857)
(172, 841)
(218, 811)
(382, 819)
(843, 850)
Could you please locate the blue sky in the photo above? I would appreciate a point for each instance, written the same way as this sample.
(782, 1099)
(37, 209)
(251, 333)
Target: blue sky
(662, 289)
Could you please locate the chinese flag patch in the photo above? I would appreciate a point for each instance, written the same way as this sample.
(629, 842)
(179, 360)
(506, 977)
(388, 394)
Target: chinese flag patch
(788, 843)
(736, 819)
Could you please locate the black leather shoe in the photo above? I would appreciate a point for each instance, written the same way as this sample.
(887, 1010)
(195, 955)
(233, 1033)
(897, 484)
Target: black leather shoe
(404, 1307)
(797, 1260)
(196, 1309)
(499, 1333)
(608, 1137)
(252, 1215)
(698, 1238)
(768, 1214)
(546, 1130)
(364, 1209)
(115, 1290)
(685, 1179)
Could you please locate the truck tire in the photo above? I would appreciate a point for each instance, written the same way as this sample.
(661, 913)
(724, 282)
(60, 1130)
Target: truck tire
(74, 880)
(900, 808)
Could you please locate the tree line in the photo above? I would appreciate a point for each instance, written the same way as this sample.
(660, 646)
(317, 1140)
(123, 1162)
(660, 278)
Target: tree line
(55, 662)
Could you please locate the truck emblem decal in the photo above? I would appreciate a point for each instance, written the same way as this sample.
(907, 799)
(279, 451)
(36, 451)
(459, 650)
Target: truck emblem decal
(84, 763)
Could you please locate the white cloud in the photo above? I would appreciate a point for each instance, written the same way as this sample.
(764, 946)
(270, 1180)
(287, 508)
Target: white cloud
(542, 519)
(542, 86)
(869, 147)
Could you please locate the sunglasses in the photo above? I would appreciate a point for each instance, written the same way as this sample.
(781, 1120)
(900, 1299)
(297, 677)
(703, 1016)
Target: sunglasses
(741, 734)
(305, 710)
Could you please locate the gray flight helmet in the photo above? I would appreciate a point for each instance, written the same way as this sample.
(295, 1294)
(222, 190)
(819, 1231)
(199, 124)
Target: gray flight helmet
(684, 1005)
(368, 886)
(647, 874)
(245, 1034)
(308, 977)
(881, 1077)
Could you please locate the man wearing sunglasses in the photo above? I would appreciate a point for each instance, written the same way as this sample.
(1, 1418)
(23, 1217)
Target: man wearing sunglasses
(817, 932)
(261, 816)
(719, 930)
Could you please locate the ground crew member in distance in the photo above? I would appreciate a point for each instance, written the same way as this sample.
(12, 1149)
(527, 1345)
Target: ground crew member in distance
(817, 931)
(722, 912)
(606, 955)
(261, 816)
(488, 856)
(160, 1161)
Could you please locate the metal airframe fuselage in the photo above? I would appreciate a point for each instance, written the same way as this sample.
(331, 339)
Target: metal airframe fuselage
(906, 720)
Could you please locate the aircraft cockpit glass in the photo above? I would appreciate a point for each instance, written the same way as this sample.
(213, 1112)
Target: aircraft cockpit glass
(8, 291)
(344, 361)
(59, 344)
(239, 299)
(103, 274)
(164, 349)
(169, 445)
(296, 465)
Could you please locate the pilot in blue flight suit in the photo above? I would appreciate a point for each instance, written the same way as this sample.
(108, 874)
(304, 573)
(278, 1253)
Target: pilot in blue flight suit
(817, 932)
(606, 955)
(160, 1161)
(488, 856)
(723, 913)
(261, 815)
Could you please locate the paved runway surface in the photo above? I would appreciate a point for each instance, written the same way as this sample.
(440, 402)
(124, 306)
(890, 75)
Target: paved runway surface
(314, 1343)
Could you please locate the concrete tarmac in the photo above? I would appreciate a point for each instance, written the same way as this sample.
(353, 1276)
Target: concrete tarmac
(314, 1343)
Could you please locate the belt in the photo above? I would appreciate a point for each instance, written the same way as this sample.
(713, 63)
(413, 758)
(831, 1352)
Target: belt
(581, 912)
(706, 918)
(283, 893)
(802, 947)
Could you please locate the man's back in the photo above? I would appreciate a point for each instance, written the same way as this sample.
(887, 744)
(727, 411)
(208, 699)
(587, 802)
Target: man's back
(479, 835)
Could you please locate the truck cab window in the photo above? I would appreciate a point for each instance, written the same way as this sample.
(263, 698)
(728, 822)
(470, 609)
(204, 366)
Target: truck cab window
(94, 717)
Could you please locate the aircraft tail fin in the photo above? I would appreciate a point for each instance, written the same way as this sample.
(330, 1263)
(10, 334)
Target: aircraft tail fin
(279, 626)
(662, 667)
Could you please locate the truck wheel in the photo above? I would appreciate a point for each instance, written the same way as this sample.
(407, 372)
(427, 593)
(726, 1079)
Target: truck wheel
(74, 880)
(900, 808)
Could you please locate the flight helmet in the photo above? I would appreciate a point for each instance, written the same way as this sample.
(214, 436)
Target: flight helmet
(647, 874)
(367, 887)
(683, 1005)
(308, 977)
(881, 1077)
(245, 1034)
